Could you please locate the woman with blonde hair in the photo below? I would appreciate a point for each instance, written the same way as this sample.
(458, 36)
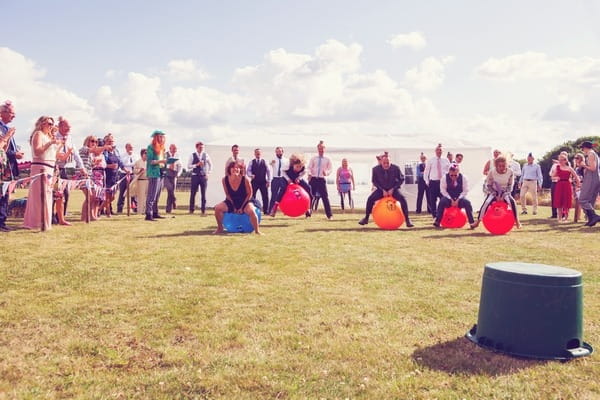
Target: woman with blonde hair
(93, 163)
(45, 150)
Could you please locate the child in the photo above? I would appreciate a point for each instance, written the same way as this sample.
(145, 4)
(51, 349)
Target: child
(498, 185)
(294, 174)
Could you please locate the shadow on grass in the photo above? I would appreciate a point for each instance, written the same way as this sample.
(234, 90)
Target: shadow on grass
(460, 356)
(206, 232)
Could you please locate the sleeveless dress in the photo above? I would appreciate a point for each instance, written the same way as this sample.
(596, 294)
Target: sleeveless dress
(237, 196)
(35, 209)
(345, 177)
(563, 191)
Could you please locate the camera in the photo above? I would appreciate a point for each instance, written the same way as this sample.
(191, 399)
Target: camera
(100, 142)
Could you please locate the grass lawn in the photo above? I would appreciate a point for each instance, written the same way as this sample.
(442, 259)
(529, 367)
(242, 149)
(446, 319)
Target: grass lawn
(125, 308)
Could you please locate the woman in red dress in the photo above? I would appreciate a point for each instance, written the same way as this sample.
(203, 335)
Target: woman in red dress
(563, 192)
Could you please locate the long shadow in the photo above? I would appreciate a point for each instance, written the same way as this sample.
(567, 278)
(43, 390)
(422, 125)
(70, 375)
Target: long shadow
(206, 232)
(458, 235)
(460, 356)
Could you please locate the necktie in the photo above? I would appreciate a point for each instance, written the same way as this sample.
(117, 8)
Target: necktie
(319, 168)
(439, 169)
(279, 169)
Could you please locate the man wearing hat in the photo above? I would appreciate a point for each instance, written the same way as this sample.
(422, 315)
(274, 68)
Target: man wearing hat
(591, 183)
(155, 161)
(531, 182)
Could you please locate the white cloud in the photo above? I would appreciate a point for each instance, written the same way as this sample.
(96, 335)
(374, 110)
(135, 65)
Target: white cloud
(185, 70)
(412, 40)
(429, 75)
(23, 83)
(532, 65)
(327, 85)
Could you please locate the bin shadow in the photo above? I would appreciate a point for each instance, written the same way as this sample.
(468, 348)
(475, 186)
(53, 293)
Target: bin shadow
(460, 356)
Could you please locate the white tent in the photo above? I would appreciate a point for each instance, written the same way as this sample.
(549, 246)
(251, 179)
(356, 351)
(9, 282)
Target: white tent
(361, 160)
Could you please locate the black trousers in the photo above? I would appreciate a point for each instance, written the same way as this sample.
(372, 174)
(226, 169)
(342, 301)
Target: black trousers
(378, 194)
(278, 186)
(3, 209)
(122, 193)
(462, 203)
(170, 183)
(198, 181)
(434, 195)
(319, 185)
(422, 192)
(264, 193)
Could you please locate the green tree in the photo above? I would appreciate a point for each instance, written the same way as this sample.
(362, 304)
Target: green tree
(570, 147)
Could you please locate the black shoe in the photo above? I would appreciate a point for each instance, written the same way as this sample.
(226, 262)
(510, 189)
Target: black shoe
(307, 214)
(156, 216)
(594, 219)
(5, 228)
(409, 224)
(436, 224)
(524, 212)
(149, 217)
(364, 221)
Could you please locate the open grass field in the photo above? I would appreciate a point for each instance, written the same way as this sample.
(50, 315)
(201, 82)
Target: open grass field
(124, 308)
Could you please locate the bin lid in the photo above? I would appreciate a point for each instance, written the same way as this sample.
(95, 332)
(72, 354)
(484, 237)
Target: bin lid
(532, 274)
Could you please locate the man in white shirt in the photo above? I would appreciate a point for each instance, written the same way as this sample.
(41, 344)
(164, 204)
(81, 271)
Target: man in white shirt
(64, 130)
(260, 178)
(235, 156)
(454, 188)
(201, 166)
(435, 169)
(173, 170)
(318, 168)
(278, 181)
(531, 182)
(128, 162)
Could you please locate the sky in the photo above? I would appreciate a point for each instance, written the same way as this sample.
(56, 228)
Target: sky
(520, 76)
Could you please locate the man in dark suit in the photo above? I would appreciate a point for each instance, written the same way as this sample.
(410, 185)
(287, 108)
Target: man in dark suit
(422, 186)
(13, 153)
(386, 179)
(260, 177)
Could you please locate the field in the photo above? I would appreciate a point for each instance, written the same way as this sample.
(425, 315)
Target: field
(124, 308)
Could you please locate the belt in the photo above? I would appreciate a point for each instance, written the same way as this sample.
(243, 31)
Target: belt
(531, 179)
(142, 179)
(42, 163)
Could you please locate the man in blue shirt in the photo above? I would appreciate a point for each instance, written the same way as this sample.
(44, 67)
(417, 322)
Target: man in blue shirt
(531, 182)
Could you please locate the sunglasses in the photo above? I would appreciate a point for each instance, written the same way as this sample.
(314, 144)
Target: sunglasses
(452, 174)
(49, 123)
(93, 141)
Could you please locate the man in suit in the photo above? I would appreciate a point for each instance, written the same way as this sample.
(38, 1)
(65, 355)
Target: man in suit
(318, 168)
(435, 170)
(13, 153)
(422, 186)
(386, 179)
(260, 177)
(201, 166)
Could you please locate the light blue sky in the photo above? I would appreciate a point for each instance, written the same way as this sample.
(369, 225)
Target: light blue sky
(519, 75)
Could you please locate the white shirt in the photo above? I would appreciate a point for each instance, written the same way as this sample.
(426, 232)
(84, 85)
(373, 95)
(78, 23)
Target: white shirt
(128, 161)
(431, 172)
(207, 162)
(444, 187)
(74, 153)
(516, 168)
(279, 165)
(313, 167)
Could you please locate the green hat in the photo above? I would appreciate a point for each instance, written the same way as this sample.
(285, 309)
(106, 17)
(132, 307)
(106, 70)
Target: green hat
(157, 132)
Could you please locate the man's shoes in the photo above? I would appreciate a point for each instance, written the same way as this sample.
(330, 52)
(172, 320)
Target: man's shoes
(524, 212)
(308, 214)
(5, 228)
(330, 217)
(156, 216)
(149, 218)
(364, 221)
(553, 217)
(436, 224)
(535, 213)
(409, 224)
(474, 225)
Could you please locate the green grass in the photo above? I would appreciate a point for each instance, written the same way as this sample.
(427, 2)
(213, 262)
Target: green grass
(124, 308)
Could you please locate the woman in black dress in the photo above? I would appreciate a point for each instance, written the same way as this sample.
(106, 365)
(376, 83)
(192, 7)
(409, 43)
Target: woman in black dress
(238, 192)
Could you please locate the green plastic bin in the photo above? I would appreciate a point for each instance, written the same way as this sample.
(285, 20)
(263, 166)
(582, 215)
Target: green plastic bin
(531, 310)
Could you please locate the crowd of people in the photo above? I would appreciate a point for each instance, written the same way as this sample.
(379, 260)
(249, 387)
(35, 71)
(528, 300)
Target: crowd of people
(105, 175)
